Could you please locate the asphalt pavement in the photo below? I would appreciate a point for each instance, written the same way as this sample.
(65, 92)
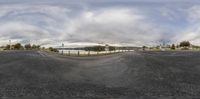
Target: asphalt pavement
(130, 75)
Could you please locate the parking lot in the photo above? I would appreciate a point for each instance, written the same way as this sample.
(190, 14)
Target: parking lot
(129, 75)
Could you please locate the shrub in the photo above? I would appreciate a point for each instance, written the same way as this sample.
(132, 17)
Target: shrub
(185, 44)
(53, 49)
(18, 46)
(27, 46)
(173, 47)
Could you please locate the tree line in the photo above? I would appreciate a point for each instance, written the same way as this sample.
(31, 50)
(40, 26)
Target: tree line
(19, 46)
(100, 48)
(184, 45)
(109, 48)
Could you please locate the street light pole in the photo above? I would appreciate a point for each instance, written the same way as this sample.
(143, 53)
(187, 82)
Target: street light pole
(62, 48)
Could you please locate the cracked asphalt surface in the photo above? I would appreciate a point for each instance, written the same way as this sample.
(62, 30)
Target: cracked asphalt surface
(130, 75)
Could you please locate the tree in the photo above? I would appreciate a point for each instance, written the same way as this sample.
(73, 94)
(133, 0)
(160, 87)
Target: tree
(53, 49)
(50, 48)
(18, 46)
(37, 46)
(34, 46)
(185, 44)
(112, 48)
(7, 47)
(173, 47)
(143, 48)
(27, 46)
(95, 48)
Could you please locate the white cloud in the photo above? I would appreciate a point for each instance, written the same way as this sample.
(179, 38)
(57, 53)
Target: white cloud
(192, 32)
(170, 14)
(50, 25)
(194, 14)
(192, 35)
(113, 25)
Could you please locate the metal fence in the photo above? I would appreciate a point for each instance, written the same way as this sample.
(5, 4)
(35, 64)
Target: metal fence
(89, 53)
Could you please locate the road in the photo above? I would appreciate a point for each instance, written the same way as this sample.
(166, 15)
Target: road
(131, 75)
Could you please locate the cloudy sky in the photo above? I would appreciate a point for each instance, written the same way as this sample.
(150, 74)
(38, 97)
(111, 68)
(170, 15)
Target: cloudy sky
(85, 22)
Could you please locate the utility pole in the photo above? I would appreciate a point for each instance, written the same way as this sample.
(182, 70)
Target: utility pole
(62, 48)
(10, 44)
